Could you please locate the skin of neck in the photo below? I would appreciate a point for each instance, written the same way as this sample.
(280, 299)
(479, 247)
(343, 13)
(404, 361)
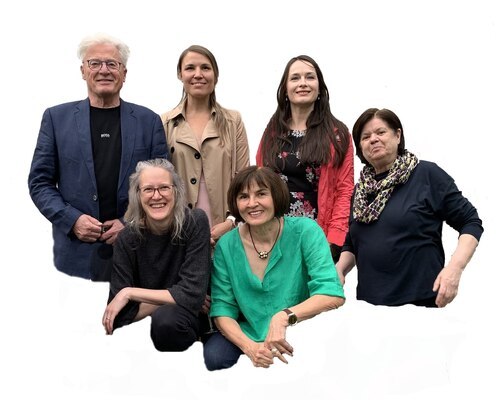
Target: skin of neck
(104, 102)
(265, 233)
(300, 115)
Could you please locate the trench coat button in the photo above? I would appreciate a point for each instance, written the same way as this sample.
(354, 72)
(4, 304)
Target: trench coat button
(94, 197)
(190, 205)
(193, 181)
(197, 155)
(172, 149)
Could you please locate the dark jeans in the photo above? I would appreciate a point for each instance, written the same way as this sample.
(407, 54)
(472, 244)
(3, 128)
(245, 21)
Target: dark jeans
(220, 353)
(173, 328)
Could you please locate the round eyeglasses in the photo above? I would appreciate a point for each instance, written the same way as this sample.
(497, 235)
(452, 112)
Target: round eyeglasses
(111, 65)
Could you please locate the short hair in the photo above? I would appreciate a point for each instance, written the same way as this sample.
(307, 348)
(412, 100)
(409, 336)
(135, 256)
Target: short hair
(135, 214)
(263, 177)
(388, 116)
(102, 38)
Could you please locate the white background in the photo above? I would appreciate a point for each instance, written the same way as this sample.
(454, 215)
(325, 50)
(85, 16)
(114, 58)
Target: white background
(435, 63)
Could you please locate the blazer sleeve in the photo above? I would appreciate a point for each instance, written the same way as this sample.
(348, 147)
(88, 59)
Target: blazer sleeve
(44, 176)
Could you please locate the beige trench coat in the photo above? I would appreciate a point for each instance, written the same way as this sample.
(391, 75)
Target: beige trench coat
(219, 164)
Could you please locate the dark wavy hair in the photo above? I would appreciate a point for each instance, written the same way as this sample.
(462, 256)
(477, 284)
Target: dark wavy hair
(388, 116)
(264, 177)
(323, 129)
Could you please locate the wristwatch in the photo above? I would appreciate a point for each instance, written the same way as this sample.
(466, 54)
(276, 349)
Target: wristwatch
(292, 318)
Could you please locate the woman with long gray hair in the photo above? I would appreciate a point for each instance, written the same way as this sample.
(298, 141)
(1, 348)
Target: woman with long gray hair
(161, 261)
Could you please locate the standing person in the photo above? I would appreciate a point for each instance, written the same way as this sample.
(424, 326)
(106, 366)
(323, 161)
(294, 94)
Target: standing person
(207, 143)
(161, 260)
(85, 153)
(395, 230)
(311, 150)
(269, 273)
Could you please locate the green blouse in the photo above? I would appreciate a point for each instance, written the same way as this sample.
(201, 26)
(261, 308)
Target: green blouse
(299, 267)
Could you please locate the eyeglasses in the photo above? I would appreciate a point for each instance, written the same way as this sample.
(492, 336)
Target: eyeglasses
(163, 190)
(111, 65)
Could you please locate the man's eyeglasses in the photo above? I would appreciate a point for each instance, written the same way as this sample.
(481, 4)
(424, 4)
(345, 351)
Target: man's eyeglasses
(111, 65)
(163, 190)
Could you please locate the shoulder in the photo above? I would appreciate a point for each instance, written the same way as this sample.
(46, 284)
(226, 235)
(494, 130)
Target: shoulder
(168, 115)
(136, 108)
(232, 115)
(301, 224)
(431, 170)
(66, 106)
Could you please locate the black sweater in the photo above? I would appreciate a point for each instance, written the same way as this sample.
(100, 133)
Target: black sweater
(399, 256)
(157, 262)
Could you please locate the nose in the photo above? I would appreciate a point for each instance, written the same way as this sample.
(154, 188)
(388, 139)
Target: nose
(252, 201)
(373, 138)
(156, 193)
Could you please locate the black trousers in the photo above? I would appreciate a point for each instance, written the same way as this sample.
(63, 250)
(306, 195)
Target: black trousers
(173, 328)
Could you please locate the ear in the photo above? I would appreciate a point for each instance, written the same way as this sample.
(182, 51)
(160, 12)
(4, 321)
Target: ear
(125, 70)
(398, 134)
(83, 74)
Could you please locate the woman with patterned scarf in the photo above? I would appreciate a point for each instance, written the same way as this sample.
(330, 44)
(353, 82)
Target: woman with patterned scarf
(397, 213)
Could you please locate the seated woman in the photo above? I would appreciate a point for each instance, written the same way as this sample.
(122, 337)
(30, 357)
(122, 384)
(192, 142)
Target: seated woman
(399, 206)
(269, 273)
(161, 260)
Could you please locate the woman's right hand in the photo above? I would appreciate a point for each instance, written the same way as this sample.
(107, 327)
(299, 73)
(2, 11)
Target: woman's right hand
(259, 354)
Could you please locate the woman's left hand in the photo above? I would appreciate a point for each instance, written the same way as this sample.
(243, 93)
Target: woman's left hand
(112, 310)
(276, 337)
(446, 285)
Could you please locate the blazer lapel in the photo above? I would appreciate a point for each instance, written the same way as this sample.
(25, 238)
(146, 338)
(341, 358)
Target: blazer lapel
(128, 128)
(82, 119)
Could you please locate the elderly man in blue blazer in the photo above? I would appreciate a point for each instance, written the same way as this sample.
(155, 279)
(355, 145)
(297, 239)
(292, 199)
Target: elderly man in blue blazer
(85, 153)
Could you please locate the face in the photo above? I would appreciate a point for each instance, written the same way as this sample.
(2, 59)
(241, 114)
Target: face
(157, 195)
(103, 83)
(379, 144)
(302, 84)
(255, 205)
(197, 75)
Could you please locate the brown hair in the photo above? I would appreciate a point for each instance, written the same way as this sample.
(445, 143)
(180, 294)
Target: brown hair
(263, 177)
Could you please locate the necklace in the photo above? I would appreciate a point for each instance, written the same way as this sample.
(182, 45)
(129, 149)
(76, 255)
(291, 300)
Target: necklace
(264, 254)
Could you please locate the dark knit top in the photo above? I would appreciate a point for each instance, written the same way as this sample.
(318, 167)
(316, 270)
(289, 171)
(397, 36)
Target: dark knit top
(400, 255)
(156, 262)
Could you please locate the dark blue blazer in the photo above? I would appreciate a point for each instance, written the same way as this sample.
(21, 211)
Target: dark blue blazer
(62, 180)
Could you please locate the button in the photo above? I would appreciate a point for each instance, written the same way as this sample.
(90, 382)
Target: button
(197, 155)
(190, 205)
(172, 149)
(193, 181)
(94, 197)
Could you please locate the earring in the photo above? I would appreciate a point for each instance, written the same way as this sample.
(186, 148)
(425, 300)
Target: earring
(318, 98)
(286, 99)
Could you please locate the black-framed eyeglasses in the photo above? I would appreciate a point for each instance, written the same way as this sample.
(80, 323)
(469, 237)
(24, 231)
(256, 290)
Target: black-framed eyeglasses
(163, 190)
(95, 64)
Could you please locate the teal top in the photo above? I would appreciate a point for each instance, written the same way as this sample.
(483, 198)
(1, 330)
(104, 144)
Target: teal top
(299, 266)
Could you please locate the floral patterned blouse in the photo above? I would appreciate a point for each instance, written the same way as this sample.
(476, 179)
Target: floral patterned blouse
(302, 180)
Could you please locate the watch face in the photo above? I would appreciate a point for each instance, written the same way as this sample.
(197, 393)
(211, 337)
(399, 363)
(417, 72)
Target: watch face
(292, 319)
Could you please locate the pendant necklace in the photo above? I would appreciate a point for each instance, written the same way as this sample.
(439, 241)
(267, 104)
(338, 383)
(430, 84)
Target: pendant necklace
(264, 254)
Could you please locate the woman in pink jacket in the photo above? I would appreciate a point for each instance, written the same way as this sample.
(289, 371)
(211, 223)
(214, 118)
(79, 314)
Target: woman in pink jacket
(311, 150)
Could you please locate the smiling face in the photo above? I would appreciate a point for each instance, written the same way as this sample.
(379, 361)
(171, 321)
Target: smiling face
(379, 144)
(157, 197)
(197, 75)
(302, 84)
(255, 205)
(103, 85)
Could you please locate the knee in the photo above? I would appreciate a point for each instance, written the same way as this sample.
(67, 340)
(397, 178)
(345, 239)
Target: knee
(217, 357)
(171, 334)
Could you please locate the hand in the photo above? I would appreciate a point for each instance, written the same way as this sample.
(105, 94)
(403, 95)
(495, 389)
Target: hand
(110, 230)
(113, 308)
(205, 308)
(87, 228)
(446, 284)
(218, 230)
(275, 340)
(260, 355)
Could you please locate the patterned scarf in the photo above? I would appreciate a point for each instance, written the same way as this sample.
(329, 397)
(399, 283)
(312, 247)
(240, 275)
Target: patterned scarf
(399, 173)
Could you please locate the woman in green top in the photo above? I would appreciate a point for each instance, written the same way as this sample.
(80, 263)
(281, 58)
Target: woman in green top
(270, 273)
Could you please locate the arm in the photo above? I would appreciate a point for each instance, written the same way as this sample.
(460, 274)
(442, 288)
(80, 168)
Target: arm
(342, 192)
(44, 178)
(345, 264)
(446, 283)
(159, 145)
